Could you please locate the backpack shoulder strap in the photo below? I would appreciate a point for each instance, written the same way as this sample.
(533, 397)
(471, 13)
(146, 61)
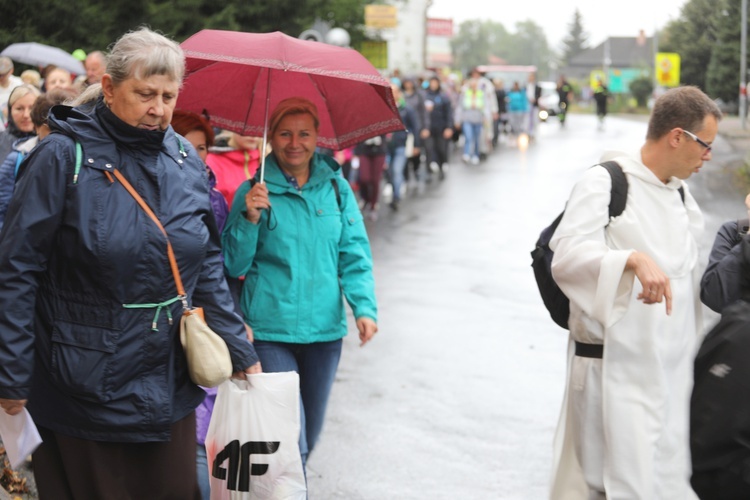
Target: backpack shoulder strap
(743, 225)
(619, 193)
(19, 159)
(336, 190)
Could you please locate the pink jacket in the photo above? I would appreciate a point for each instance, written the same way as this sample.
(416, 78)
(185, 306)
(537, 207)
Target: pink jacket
(232, 169)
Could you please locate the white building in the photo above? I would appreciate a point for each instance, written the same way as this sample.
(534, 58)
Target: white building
(407, 41)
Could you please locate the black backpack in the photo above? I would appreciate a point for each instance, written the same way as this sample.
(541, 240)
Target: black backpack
(554, 299)
(720, 408)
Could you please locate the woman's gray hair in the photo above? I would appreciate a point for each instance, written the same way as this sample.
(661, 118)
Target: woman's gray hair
(143, 53)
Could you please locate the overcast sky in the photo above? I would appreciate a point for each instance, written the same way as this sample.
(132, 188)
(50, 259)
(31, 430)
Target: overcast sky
(601, 18)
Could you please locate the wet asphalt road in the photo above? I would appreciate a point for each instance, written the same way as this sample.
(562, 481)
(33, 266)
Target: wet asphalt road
(458, 395)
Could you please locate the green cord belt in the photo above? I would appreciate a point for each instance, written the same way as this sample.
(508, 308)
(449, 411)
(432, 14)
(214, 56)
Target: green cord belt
(159, 306)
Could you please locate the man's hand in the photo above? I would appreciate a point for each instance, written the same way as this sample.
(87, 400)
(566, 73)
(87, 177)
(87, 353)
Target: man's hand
(655, 283)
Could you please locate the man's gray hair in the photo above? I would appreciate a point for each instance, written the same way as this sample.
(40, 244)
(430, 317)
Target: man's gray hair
(144, 53)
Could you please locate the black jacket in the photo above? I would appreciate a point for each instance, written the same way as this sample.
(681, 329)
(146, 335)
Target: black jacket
(726, 274)
(441, 116)
(75, 249)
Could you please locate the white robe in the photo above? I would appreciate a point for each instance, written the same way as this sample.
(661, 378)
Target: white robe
(624, 424)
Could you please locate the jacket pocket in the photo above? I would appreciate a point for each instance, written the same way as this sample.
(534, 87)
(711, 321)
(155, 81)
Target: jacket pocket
(82, 359)
(328, 222)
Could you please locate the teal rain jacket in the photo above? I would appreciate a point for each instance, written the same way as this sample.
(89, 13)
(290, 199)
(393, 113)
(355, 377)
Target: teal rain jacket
(301, 256)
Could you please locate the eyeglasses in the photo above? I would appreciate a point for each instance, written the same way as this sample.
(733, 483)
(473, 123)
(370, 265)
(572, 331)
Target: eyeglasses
(698, 140)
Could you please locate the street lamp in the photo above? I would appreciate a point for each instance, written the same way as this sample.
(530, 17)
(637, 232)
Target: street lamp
(338, 37)
(743, 66)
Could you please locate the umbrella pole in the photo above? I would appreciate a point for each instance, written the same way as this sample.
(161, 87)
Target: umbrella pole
(265, 130)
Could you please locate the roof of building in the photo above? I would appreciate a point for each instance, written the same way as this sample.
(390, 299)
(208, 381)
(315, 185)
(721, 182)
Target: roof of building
(624, 52)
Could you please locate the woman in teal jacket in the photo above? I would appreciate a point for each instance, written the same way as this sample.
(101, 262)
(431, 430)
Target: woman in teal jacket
(300, 241)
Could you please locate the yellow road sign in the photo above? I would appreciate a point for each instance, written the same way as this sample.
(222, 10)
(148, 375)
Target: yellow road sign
(380, 16)
(668, 69)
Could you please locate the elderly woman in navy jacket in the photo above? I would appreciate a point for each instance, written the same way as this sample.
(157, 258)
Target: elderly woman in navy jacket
(87, 343)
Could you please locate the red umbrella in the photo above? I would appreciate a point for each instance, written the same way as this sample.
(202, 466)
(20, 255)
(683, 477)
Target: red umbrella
(238, 77)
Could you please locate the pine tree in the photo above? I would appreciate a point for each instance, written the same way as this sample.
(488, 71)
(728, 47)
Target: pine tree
(576, 41)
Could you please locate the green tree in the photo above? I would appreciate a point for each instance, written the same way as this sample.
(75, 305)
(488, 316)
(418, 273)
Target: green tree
(576, 40)
(95, 24)
(692, 36)
(476, 41)
(529, 46)
(722, 77)
(641, 89)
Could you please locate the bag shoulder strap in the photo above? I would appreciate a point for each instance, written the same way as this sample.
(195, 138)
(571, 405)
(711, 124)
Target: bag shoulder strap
(170, 250)
(619, 192)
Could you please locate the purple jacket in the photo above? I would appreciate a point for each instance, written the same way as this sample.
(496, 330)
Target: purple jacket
(218, 203)
(203, 414)
(205, 409)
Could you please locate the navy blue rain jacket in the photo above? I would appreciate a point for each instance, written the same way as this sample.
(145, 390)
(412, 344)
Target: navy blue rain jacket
(441, 116)
(74, 251)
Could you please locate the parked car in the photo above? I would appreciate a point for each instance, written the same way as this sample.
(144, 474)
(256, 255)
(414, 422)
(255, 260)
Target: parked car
(549, 102)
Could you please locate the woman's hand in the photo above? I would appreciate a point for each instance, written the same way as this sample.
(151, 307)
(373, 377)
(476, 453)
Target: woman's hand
(256, 368)
(367, 329)
(256, 200)
(655, 283)
(12, 406)
(747, 204)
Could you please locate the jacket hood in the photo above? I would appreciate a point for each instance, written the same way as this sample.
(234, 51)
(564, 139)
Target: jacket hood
(26, 144)
(323, 169)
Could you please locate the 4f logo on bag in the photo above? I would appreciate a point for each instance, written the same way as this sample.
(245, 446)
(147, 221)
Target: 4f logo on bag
(238, 471)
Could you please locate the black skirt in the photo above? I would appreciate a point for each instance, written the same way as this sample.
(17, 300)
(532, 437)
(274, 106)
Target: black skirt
(79, 469)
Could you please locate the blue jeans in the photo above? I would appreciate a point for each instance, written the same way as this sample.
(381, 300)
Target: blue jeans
(472, 134)
(203, 481)
(316, 365)
(396, 164)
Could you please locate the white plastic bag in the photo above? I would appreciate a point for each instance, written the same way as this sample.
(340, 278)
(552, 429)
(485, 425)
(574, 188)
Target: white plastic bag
(252, 442)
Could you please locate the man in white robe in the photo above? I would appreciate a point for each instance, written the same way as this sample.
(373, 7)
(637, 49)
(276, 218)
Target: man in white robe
(633, 287)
